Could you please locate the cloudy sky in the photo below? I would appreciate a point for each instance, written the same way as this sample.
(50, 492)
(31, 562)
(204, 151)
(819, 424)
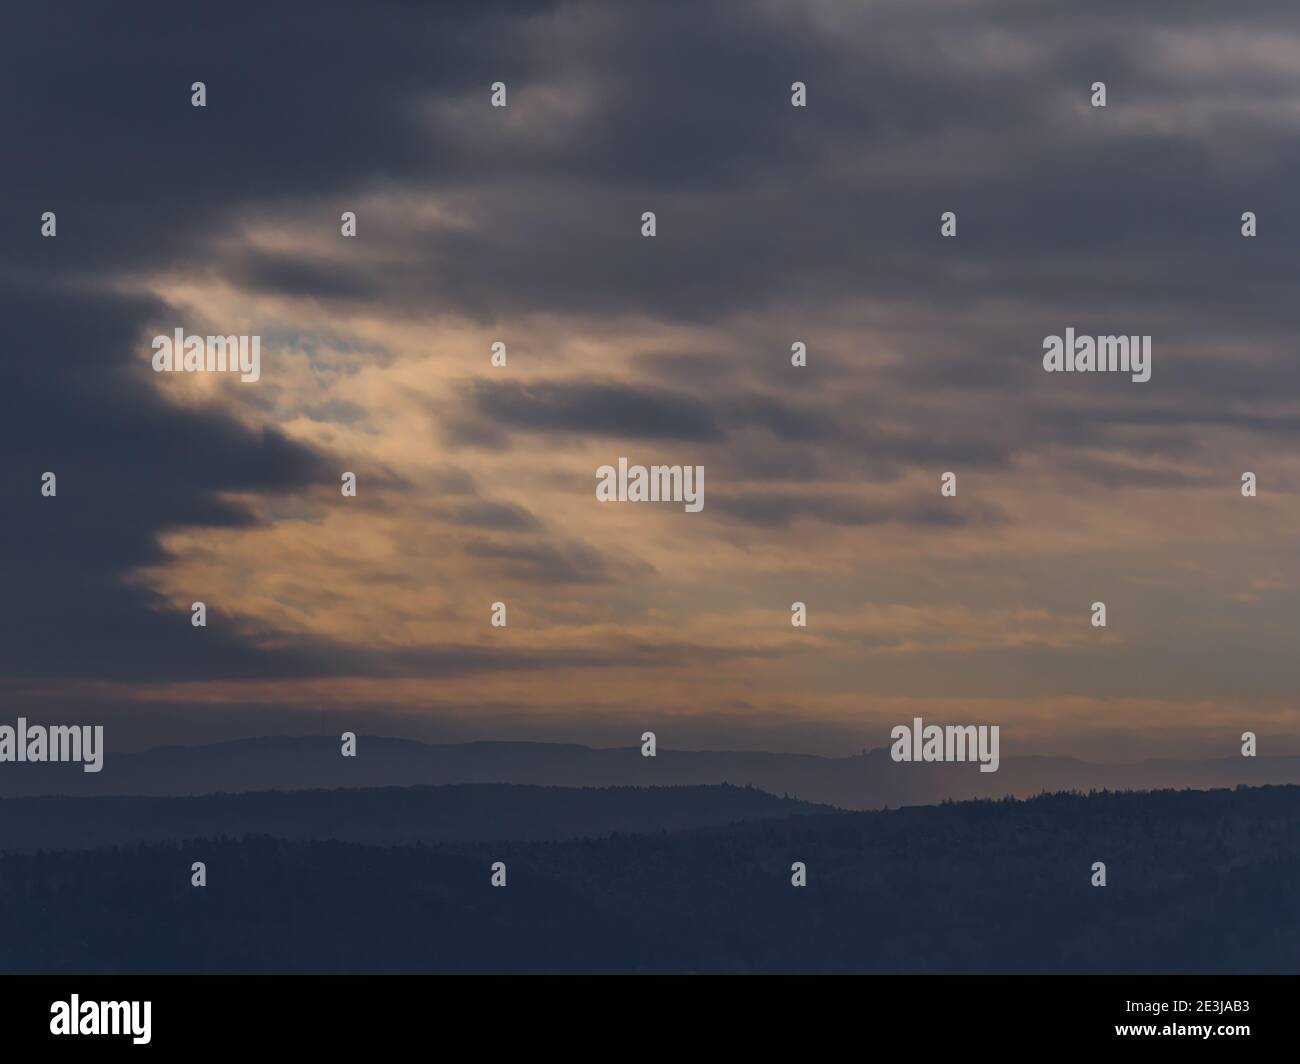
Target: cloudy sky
(775, 224)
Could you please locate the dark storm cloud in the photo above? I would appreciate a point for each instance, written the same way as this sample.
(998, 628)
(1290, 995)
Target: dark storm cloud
(497, 516)
(283, 275)
(681, 108)
(917, 108)
(546, 563)
(314, 99)
(602, 409)
(1114, 474)
(128, 467)
(639, 411)
(781, 509)
(101, 130)
(336, 410)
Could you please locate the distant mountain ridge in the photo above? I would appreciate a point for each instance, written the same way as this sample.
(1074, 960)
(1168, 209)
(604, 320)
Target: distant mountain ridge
(870, 781)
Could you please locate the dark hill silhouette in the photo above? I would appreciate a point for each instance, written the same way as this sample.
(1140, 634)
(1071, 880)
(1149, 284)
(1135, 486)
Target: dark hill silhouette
(385, 815)
(870, 781)
(1198, 882)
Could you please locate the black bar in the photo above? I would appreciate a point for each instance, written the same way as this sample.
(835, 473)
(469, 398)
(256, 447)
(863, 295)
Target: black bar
(608, 1016)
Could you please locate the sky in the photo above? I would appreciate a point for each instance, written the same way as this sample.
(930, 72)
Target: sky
(775, 225)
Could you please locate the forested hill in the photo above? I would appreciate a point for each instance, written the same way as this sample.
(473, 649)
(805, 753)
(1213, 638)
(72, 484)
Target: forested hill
(385, 815)
(1195, 882)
